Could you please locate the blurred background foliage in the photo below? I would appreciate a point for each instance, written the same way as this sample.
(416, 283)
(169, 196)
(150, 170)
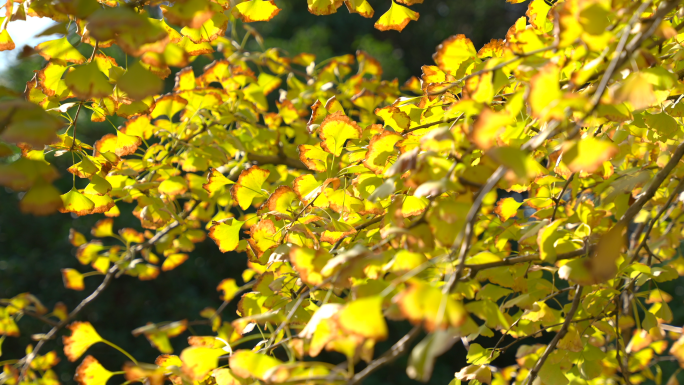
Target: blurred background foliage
(34, 249)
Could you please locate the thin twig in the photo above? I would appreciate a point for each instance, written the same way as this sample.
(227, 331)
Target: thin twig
(395, 351)
(561, 333)
(647, 232)
(560, 196)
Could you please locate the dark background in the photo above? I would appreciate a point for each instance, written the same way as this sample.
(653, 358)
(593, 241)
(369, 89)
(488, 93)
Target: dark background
(33, 249)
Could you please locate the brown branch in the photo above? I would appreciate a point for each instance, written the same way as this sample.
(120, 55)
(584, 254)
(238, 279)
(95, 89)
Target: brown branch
(560, 196)
(427, 125)
(557, 337)
(395, 351)
(277, 159)
(28, 312)
(105, 283)
(634, 209)
(51, 334)
(647, 232)
(359, 228)
(619, 59)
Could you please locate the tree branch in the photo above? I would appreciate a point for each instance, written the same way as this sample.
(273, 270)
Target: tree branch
(557, 337)
(395, 351)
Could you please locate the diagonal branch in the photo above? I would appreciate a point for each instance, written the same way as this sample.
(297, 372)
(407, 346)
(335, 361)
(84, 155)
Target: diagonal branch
(395, 351)
(561, 333)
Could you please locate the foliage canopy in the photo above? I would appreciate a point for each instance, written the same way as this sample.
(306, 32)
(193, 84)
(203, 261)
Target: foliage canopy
(360, 203)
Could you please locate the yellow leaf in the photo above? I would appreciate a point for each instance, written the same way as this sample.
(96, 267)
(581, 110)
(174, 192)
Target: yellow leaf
(103, 228)
(507, 208)
(246, 364)
(176, 185)
(636, 90)
(6, 42)
(42, 199)
(226, 234)
(91, 372)
(229, 289)
(481, 373)
(60, 49)
(215, 180)
(83, 335)
(249, 185)
(362, 7)
(381, 152)
(126, 144)
(313, 157)
(364, 317)
(198, 361)
(588, 154)
(256, 10)
(422, 302)
(173, 261)
(546, 240)
(309, 263)
(139, 83)
(77, 203)
(454, 51)
(72, 279)
(87, 81)
(323, 7)
(335, 130)
(396, 18)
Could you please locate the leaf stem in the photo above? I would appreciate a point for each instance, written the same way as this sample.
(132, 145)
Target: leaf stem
(115, 346)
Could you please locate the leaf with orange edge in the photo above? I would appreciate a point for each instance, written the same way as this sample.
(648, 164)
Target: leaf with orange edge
(323, 7)
(73, 279)
(103, 228)
(6, 42)
(168, 105)
(396, 18)
(249, 185)
(176, 185)
(87, 81)
(313, 157)
(199, 361)
(507, 208)
(75, 238)
(281, 200)
(422, 302)
(335, 130)
(91, 372)
(262, 236)
(226, 234)
(381, 151)
(60, 49)
(131, 235)
(173, 261)
(256, 10)
(337, 230)
(77, 203)
(83, 335)
(452, 52)
(394, 117)
(216, 180)
(362, 7)
(309, 263)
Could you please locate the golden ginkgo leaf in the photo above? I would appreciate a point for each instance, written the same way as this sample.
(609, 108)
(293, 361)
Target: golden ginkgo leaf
(83, 335)
(91, 372)
(396, 18)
